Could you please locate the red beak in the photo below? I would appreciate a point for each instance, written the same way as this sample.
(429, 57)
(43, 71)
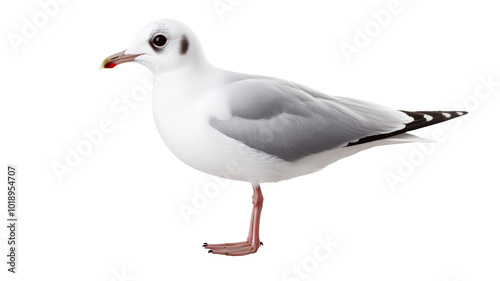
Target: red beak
(117, 59)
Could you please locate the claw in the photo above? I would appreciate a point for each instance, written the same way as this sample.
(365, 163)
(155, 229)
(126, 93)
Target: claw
(210, 251)
(262, 244)
(204, 244)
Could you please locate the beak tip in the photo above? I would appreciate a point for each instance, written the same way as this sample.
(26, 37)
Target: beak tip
(107, 64)
(118, 58)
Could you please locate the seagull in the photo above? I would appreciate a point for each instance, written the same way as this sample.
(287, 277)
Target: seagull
(255, 128)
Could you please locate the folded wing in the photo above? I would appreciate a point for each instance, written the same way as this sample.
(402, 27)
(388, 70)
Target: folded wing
(291, 121)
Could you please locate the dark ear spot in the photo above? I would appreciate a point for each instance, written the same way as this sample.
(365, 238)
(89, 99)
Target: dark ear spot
(184, 45)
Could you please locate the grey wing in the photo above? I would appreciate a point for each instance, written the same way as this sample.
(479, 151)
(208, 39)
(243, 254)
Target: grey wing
(291, 121)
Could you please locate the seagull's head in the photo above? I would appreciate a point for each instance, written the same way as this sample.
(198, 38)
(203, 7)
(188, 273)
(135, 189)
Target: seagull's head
(162, 46)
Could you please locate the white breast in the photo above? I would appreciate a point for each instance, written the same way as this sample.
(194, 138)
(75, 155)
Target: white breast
(183, 123)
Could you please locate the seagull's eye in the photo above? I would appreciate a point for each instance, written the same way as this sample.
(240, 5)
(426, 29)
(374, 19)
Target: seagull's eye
(159, 40)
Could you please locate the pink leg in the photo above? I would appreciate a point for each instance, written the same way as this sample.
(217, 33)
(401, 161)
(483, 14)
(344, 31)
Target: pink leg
(253, 241)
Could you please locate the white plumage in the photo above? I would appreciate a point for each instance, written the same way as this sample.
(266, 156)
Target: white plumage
(253, 128)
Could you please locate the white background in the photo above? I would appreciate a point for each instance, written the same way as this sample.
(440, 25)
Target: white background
(116, 215)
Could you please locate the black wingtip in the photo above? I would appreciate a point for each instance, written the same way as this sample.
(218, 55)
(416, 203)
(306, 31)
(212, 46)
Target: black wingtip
(420, 119)
(426, 118)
